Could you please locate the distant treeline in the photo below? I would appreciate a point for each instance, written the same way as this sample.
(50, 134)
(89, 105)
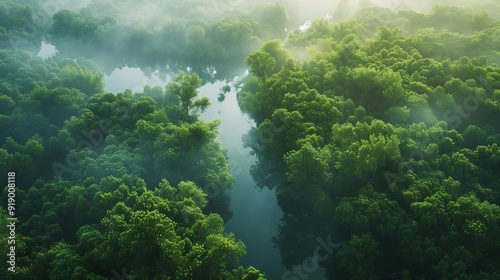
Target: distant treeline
(165, 32)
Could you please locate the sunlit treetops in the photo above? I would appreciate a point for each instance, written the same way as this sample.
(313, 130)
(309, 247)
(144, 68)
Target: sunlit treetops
(383, 137)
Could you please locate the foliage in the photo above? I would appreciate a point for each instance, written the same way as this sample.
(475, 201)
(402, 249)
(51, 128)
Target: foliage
(379, 130)
(109, 181)
(193, 33)
(388, 132)
(21, 26)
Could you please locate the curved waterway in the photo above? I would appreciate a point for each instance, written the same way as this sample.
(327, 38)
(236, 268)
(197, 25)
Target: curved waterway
(256, 214)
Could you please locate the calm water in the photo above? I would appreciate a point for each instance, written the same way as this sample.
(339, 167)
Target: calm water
(256, 214)
(46, 50)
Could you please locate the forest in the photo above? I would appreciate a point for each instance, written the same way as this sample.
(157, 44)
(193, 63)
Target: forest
(376, 125)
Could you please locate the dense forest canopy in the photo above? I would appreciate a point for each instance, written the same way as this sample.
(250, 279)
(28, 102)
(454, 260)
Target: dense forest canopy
(377, 124)
(388, 129)
(110, 159)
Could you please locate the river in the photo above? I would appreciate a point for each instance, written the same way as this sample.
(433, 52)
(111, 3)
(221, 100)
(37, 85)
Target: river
(256, 214)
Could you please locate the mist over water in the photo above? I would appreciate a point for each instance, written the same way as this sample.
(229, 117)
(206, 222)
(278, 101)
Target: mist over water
(255, 212)
(135, 79)
(47, 50)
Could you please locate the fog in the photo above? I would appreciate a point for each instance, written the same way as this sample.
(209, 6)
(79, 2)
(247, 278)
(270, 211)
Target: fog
(142, 46)
(146, 34)
(47, 50)
(156, 12)
(135, 79)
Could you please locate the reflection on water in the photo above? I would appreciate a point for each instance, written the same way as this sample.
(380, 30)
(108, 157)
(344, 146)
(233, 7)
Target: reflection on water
(133, 78)
(256, 214)
(47, 50)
